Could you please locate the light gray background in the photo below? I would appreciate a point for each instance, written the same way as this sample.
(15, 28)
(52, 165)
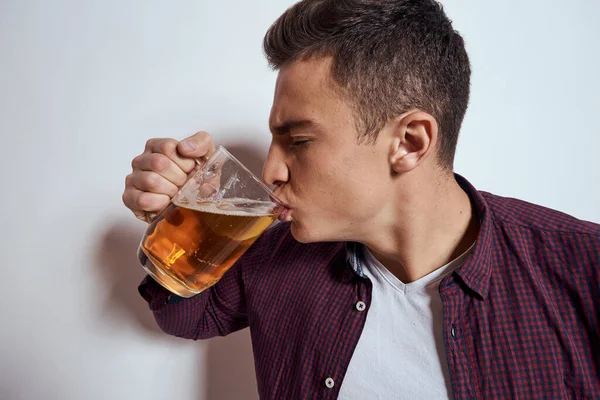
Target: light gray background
(84, 84)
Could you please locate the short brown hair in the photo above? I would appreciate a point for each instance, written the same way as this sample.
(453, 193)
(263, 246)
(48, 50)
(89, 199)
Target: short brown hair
(389, 56)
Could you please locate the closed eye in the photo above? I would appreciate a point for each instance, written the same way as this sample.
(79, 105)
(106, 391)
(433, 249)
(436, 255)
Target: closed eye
(301, 142)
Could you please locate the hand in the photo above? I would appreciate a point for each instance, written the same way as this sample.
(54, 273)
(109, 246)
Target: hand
(161, 170)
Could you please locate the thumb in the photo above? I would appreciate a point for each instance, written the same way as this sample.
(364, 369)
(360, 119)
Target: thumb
(198, 145)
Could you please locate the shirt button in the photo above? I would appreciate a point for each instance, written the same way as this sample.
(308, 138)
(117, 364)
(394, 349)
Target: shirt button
(360, 306)
(329, 383)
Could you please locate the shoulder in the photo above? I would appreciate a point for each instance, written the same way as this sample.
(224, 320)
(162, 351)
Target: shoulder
(553, 245)
(519, 213)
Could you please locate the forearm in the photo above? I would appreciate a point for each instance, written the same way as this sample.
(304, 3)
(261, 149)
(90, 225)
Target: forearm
(200, 317)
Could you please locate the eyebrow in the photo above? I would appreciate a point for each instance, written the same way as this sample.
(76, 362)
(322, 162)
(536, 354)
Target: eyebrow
(287, 126)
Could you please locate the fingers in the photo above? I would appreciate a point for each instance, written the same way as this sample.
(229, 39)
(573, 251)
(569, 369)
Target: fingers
(152, 182)
(168, 148)
(163, 166)
(198, 145)
(161, 170)
(137, 200)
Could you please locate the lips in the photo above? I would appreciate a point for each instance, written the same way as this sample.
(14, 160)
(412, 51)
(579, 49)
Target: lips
(284, 214)
(284, 209)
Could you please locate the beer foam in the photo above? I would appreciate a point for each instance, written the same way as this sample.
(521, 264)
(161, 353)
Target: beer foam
(232, 207)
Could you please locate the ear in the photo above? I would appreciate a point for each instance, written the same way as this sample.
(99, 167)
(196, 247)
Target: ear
(415, 136)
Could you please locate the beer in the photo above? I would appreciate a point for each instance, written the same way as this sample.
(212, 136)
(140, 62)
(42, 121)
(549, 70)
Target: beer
(189, 247)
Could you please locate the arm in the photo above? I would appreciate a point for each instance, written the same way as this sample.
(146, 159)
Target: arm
(217, 311)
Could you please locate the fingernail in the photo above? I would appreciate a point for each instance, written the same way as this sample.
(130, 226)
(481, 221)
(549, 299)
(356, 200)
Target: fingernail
(188, 145)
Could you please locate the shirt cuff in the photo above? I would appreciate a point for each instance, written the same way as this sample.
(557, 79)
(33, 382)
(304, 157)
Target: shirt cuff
(156, 295)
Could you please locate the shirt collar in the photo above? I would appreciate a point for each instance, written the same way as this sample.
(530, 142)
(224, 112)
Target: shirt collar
(354, 257)
(476, 270)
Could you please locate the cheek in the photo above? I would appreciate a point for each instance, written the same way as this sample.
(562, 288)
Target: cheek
(336, 187)
(312, 175)
(340, 191)
(359, 190)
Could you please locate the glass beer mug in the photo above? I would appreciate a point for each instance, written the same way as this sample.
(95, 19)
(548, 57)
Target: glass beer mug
(209, 224)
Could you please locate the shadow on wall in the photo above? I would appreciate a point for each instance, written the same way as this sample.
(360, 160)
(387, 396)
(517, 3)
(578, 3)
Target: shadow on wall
(230, 368)
(251, 157)
(121, 273)
(228, 361)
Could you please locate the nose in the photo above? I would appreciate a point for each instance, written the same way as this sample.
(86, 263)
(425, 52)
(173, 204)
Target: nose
(275, 171)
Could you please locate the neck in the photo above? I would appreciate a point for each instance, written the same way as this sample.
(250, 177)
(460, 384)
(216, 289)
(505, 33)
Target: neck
(425, 229)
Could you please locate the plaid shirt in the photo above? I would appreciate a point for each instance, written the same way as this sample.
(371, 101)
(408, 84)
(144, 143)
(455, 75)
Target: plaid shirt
(521, 316)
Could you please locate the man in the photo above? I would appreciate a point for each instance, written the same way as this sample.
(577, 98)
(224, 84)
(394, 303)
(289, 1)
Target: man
(391, 277)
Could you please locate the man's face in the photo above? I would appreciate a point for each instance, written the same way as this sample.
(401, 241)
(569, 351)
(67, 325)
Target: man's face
(336, 188)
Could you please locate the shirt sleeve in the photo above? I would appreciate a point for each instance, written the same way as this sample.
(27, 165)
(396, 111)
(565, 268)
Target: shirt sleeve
(220, 309)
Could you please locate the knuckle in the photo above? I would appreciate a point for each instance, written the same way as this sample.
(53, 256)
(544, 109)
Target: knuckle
(159, 162)
(167, 146)
(136, 162)
(127, 199)
(143, 202)
(150, 143)
(153, 181)
(128, 180)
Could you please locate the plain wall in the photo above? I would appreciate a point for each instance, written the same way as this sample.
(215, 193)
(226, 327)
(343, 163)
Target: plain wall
(83, 85)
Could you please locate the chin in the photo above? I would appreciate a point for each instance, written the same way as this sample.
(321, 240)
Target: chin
(306, 234)
(301, 234)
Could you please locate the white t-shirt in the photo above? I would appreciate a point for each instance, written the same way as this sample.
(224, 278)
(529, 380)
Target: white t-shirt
(400, 353)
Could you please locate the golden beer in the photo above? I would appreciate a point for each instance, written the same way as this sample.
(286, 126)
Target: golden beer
(189, 247)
